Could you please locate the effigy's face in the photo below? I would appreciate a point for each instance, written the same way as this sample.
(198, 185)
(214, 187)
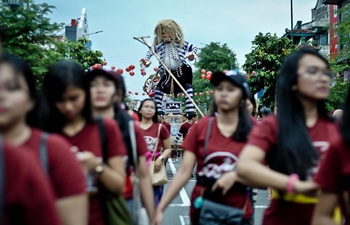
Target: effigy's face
(166, 37)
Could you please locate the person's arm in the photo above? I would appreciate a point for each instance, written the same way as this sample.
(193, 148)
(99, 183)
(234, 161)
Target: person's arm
(323, 214)
(177, 138)
(73, 209)
(251, 169)
(113, 175)
(146, 188)
(178, 182)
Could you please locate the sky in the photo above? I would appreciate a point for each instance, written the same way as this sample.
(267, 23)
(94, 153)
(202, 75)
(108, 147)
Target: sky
(203, 21)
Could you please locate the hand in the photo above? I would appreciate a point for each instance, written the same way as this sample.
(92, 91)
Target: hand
(225, 182)
(158, 217)
(157, 165)
(191, 56)
(303, 187)
(89, 160)
(145, 62)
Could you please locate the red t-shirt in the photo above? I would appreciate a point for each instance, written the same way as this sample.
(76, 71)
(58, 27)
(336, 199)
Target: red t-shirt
(221, 156)
(28, 198)
(150, 136)
(66, 174)
(334, 172)
(167, 125)
(141, 148)
(185, 127)
(88, 139)
(264, 136)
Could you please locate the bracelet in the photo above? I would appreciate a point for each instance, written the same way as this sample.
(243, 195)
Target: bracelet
(290, 184)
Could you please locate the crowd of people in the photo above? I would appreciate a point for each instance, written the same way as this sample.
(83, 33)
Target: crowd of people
(67, 152)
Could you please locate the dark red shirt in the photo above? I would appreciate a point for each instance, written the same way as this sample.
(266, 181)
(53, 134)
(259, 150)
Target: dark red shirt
(264, 136)
(334, 172)
(28, 197)
(150, 136)
(65, 172)
(221, 156)
(167, 125)
(88, 139)
(185, 127)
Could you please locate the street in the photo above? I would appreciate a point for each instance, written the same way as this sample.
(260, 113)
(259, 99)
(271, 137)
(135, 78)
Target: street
(178, 211)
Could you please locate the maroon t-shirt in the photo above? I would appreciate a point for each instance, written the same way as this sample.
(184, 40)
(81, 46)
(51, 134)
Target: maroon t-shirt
(221, 156)
(66, 173)
(28, 197)
(167, 125)
(150, 136)
(88, 139)
(264, 136)
(334, 172)
(141, 148)
(185, 127)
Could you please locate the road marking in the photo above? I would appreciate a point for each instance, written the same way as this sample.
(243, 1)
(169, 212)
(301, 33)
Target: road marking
(185, 200)
(185, 220)
(261, 206)
(182, 221)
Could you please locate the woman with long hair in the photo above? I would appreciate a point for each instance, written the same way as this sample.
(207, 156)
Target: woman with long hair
(156, 136)
(292, 142)
(17, 114)
(65, 108)
(106, 93)
(215, 142)
(334, 174)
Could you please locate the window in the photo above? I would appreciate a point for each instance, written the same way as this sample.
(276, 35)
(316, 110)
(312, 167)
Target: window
(335, 8)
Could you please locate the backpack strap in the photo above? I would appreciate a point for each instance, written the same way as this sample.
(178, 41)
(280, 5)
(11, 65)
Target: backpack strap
(103, 137)
(2, 179)
(43, 152)
(207, 136)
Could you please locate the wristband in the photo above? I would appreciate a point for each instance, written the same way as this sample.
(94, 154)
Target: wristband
(290, 184)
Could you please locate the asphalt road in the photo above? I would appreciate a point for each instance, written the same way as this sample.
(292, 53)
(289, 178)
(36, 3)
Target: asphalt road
(178, 211)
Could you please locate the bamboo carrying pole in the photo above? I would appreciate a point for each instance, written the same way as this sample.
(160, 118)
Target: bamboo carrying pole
(166, 68)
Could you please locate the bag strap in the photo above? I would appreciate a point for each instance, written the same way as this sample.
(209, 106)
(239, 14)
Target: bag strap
(133, 146)
(207, 136)
(2, 179)
(157, 141)
(103, 137)
(43, 152)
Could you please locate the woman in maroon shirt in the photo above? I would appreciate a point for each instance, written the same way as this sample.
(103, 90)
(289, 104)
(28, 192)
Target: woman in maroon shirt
(105, 90)
(65, 108)
(293, 141)
(66, 177)
(149, 124)
(334, 175)
(216, 176)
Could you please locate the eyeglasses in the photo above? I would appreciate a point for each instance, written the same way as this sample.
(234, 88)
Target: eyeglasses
(149, 107)
(313, 72)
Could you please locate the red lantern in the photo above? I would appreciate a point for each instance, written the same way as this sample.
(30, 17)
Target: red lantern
(130, 92)
(113, 67)
(183, 95)
(155, 69)
(203, 71)
(151, 94)
(225, 71)
(170, 95)
(208, 77)
(211, 92)
(104, 63)
(127, 69)
(94, 67)
(132, 67)
(207, 92)
(195, 94)
(200, 93)
(120, 71)
(143, 93)
(143, 73)
(155, 80)
(209, 73)
(132, 73)
(197, 100)
(203, 76)
(136, 93)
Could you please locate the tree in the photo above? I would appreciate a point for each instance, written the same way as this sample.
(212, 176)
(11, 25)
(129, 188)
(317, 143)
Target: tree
(263, 64)
(343, 30)
(213, 57)
(30, 35)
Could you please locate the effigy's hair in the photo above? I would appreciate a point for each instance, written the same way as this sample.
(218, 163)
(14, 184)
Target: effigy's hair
(169, 27)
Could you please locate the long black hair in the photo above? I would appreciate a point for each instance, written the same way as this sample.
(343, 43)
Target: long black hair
(252, 100)
(244, 123)
(21, 67)
(294, 152)
(61, 76)
(155, 117)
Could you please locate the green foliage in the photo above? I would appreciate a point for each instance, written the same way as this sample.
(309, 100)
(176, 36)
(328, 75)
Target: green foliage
(343, 30)
(32, 36)
(338, 93)
(263, 64)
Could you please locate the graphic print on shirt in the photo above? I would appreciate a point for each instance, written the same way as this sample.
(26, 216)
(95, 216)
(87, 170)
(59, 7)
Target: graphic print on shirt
(216, 164)
(321, 147)
(151, 142)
